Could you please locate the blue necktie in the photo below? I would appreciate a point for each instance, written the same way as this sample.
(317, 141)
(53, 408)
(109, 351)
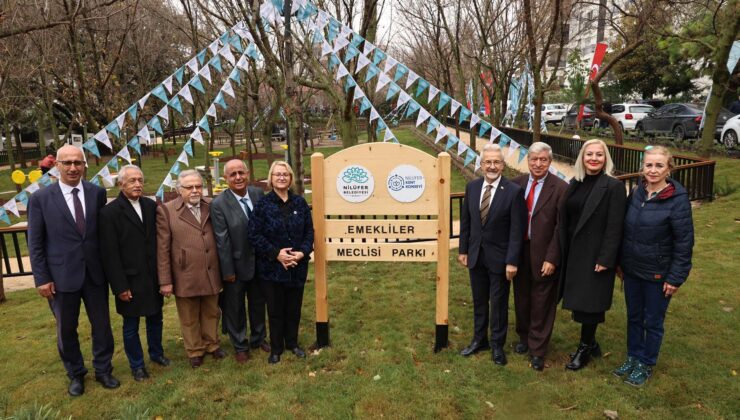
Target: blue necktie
(245, 203)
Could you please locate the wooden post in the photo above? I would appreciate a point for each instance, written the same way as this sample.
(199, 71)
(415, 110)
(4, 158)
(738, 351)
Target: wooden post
(319, 250)
(443, 252)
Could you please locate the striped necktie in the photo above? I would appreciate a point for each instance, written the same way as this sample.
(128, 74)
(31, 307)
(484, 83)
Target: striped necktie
(485, 204)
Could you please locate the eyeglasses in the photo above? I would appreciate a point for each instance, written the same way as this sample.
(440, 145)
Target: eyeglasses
(492, 162)
(281, 175)
(68, 163)
(196, 187)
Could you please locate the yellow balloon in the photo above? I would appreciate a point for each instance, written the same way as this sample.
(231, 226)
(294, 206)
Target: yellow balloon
(18, 177)
(35, 175)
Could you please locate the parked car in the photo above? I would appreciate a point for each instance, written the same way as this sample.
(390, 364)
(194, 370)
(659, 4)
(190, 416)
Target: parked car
(629, 114)
(554, 113)
(730, 132)
(589, 117)
(680, 120)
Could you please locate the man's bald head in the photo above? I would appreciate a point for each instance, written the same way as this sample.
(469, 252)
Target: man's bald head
(237, 176)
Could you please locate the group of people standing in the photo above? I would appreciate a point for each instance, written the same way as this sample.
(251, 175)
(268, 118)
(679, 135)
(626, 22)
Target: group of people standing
(209, 255)
(557, 241)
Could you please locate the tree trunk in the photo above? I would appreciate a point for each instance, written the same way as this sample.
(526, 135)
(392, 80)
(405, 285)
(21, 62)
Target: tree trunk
(605, 116)
(2, 283)
(9, 143)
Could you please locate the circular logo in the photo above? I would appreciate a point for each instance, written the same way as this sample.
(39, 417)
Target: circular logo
(406, 183)
(355, 183)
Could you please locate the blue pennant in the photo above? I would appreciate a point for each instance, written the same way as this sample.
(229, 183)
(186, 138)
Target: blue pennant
(96, 180)
(4, 216)
(216, 63)
(451, 141)
(160, 93)
(236, 76)
(112, 127)
(333, 61)
(412, 108)
(179, 73)
(372, 71)
(236, 42)
(252, 51)
(318, 37)
(357, 40)
(401, 71)
(522, 153)
(134, 144)
(484, 127)
(133, 111)
(45, 180)
(349, 83)
(421, 86)
(444, 99)
(351, 53)
(202, 57)
(156, 125)
(160, 193)
(197, 84)
(204, 124)
(433, 123)
(464, 114)
(92, 147)
(220, 101)
(470, 156)
(175, 170)
(365, 105)
(378, 56)
(224, 37)
(175, 104)
(393, 89)
(113, 163)
(381, 125)
(188, 147)
(333, 30)
(503, 140)
(22, 197)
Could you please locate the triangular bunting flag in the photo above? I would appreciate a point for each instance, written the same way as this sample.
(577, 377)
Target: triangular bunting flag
(388, 135)
(325, 49)
(102, 137)
(215, 61)
(443, 100)
(484, 127)
(358, 94)
(197, 135)
(383, 80)
(455, 105)
(494, 133)
(133, 111)
(433, 124)
(357, 40)
(186, 94)
(351, 53)
(193, 65)
(433, 91)
(522, 154)
(461, 148)
(470, 156)
(179, 73)
(393, 89)
(206, 73)
(411, 79)
(92, 147)
(367, 48)
(401, 71)
(220, 100)
(204, 124)
(441, 133)
(451, 141)
(421, 87)
(477, 163)
(188, 148)
(423, 115)
(412, 108)
(135, 144)
(156, 125)
(201, 57)
(378, 56)
(143, 134)
(362, 61)
(365, 104)
(112, 127)
(373, 114)
(197, 84)
(113, 164)
(143, 100)
(175, 104)
(160, 93)
(125, 155)
(226, 53)
(12, 207)
(464, 114)
(236, 76)
(403, 98)
(372, 71)
(211, 112)
(390, 62)
(183, 158)
(474, 120)
(175, 169)
(228, 89)
(121, 120)
(164, 113)
(4, 216)
(168, 84)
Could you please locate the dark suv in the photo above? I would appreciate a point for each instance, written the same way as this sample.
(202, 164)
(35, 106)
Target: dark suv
(589, 116)
(679, 121)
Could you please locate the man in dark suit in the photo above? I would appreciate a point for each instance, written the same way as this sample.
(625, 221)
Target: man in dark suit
(492, 223)
(230, 213)
(128, 241)
(536, 282)
(63, 245)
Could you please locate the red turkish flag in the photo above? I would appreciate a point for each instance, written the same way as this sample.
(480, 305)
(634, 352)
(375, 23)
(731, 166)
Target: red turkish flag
(598, 58)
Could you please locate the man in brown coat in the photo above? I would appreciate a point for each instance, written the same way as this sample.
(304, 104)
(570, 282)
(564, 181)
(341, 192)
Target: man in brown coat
(536, 283)
(187, 263)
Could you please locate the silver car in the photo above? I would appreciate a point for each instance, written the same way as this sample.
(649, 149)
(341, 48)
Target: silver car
(629, 114)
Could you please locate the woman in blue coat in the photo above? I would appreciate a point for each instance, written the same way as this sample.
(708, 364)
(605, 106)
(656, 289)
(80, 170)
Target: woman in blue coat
(655, 261)
(281, 232)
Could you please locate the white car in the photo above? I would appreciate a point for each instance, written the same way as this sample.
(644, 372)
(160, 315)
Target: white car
(553, 113)
(629, 114)
(730, 132)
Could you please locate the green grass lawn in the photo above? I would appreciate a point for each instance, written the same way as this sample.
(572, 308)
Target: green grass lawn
(381, 362)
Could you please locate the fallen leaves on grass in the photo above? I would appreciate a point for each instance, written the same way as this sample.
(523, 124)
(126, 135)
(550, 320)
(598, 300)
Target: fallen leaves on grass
(376, 378)
(490, 404)
(611, 414)
(311, 374)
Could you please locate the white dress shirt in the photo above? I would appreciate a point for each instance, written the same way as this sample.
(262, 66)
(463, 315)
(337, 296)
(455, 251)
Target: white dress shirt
(493, 190)
(137, 207)
(249, 202)
(69, 197)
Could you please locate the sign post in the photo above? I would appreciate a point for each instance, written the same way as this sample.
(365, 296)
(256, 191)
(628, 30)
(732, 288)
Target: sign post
(377, 202)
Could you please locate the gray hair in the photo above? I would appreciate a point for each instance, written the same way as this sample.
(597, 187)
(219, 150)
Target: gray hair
(491, 147)
(579, 169)
(123, 172)
(539, 147)
(186, 173)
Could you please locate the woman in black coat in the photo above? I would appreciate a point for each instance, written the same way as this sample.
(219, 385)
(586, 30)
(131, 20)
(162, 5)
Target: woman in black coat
(655, 261)
(590, 234)
(281, 232)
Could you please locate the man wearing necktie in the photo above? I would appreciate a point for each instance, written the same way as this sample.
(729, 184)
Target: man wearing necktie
(65, 258)
(230, 212)
(536, 282)
(492, 223)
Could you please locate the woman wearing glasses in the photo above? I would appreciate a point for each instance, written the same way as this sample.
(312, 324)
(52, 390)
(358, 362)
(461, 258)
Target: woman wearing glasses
(590, 234)
(656, 260)
(281, 232)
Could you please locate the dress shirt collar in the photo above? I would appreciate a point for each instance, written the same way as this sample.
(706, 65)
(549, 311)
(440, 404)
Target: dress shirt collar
(67, 189)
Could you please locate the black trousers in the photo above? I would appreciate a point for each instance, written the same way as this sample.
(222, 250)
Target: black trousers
(66, 309)
(235, 311)
(284, 311)
(490, 302)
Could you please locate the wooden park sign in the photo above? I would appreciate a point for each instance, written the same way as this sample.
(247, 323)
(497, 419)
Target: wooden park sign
(381, 202)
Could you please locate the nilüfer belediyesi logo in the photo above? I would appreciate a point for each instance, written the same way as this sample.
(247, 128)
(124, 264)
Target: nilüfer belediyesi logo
(355, 183)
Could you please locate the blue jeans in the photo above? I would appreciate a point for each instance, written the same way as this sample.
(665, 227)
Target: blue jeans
(132, 344)
(646, 308)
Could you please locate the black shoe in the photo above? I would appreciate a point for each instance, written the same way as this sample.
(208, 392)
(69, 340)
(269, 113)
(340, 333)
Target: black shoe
(160, 360)
(140, 374)
(474, 347)
(582, 356)
(498, 356)
(299, 353)
(521, 348)
(273, 358)
(108, 381)
(219, 353)
(76, 386)
(538, 363)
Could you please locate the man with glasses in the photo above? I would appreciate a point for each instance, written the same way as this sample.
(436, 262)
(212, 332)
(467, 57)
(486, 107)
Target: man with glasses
(492, 225)
(65, 258)
(187, 263)
(536, 282)
(231, 212)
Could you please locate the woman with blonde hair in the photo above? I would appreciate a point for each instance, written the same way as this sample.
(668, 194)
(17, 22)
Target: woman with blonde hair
(655, 261)
(281, 232)
(590, 231)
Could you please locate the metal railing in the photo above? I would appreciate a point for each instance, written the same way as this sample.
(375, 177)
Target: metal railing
(19, 268)
(28, 154)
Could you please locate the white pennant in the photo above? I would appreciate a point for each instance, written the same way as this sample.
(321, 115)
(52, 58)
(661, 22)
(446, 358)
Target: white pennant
(513, 145)
(12, 207)
(168, 84)
(346, 30)
(226, 53)
(362, 61)
(143, 134)
(228, 89)
(243, 63)
(461, 147)
(368, 48)
(325, 48)
(494, 133)
(107, 177)
(211, 111)
(143, 100)
(214, 47)
(186, 94)
(388, 134)
(32, 188)
(197, 135)
(389, 63)
(342, 71)
(423, 115)
(168, 181)
(552, 170)
(433, 91)
(474, 120)
(244, 34)
(358, 93)
(403, 97)
(322, 19)
(454, 108)
(412, 77)
(54, 172)
(206, 73)
(383, 80)
(121, 120)
(340, 43)
(374, 114)
(477, 163)
(193, 65)
(102, 137)
(441, 133)
(124, 154)
(164, 113)
(183, 158)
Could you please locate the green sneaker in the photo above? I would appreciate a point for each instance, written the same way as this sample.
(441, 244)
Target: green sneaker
(639, 375)
(626, 367)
